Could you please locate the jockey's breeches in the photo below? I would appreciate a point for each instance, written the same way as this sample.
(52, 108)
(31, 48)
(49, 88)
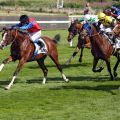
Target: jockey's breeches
(35, 36)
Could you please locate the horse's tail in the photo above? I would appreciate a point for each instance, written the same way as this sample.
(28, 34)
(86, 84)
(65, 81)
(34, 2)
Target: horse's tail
(57, 38)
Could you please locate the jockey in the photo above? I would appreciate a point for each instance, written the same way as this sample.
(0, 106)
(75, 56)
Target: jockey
(87, 20)
(33, 28)
(115, 12)
(105, 23)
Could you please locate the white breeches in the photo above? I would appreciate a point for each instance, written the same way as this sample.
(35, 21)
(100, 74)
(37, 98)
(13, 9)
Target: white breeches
(35, 36)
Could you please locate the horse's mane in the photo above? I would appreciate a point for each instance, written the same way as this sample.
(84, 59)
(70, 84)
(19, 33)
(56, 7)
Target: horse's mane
(23, 33)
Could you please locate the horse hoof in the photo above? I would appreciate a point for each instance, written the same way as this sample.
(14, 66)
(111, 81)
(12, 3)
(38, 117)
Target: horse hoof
(112, 78)
(67, 63)
(80, 60)
(43, 83)
(115, 74)
(101, 68)
(67, 80)
(7, 88)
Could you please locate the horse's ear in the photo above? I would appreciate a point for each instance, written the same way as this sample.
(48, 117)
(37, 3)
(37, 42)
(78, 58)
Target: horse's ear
(6, 28)
(3, 29)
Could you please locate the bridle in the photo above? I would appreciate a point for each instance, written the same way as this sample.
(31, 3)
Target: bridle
(2, 43)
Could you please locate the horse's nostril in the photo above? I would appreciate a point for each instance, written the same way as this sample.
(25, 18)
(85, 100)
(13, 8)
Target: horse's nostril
(1, 47)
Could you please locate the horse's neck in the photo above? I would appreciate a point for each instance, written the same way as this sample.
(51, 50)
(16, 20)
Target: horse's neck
(21, 41)
(22, 38)
(99, 41)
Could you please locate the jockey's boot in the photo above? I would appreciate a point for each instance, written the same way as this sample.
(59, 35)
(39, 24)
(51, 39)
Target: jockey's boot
(42, 46)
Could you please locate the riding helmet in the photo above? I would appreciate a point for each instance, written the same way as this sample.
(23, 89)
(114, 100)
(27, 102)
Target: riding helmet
(101, 16)
(24, 19)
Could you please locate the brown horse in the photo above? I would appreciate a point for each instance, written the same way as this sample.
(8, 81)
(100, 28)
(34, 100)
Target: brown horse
(22, 49)
(74, 29)
(116, 31)
(101, 49)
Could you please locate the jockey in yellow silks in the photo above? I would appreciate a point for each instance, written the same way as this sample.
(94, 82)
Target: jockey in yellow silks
(108, 23)
(105, 24)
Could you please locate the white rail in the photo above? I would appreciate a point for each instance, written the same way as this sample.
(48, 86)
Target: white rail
(15, 22)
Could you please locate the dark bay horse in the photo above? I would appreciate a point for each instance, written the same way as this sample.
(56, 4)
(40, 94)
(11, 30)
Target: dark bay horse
(101, 49)
(22, 49)
(75, 29)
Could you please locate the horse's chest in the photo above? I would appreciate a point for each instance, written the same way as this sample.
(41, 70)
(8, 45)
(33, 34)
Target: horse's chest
(15, 51)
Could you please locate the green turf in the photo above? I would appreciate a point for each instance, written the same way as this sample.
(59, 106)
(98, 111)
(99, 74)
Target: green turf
(88, 95)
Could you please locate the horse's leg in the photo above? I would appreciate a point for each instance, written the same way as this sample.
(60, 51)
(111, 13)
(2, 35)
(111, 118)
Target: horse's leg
(115, 68)
(44, 69)
(6, 61)
(73, 55)
(81, 54)
(19, 67)
(71, 43)
(95, 61)
(54, 57)
(101, 65)
(109, 68)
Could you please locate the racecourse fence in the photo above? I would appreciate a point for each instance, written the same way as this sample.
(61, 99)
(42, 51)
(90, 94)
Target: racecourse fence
(47, 22)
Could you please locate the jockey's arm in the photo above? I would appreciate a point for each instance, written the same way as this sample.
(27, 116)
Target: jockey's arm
(114, 15)
(27, 26)
(17, 25)
(81, 19)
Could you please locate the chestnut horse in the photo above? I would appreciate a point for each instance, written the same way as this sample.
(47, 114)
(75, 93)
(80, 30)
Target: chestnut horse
(74, 29)
(22, 49)
(116, 31)
(101, 49)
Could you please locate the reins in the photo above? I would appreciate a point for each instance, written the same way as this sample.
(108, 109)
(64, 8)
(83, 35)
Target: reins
(15, 35)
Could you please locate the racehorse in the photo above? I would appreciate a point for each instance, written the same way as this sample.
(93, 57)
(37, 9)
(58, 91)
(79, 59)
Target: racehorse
(101, 49)
(22, 49)
(75, 29)
(72, 31)
(116, 31)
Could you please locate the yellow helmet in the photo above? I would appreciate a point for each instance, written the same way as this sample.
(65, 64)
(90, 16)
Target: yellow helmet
(101, 16)
(108, 19)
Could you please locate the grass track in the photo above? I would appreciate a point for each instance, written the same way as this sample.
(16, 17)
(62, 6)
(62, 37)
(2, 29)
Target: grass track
(88, 96)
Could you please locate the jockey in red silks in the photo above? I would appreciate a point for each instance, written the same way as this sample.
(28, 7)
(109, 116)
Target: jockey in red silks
(33, 28)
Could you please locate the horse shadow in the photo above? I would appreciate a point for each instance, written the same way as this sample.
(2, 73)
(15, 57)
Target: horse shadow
(64, 66)
(105, 88)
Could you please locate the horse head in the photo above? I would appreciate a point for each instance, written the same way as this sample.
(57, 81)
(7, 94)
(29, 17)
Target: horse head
(72, 30)
(8, 36)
